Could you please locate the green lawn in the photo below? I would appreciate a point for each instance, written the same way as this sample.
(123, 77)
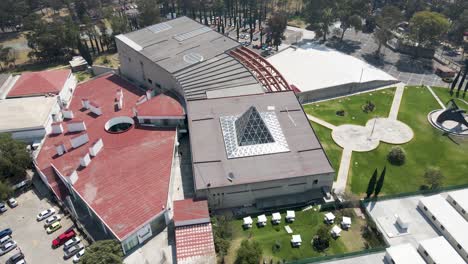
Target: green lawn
(352, 105)
(333, 151)
(428, 148)
(307, 223)
(444, 95)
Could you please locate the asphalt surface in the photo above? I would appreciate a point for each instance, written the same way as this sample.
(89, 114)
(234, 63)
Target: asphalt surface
(30, 235)
(403, 67)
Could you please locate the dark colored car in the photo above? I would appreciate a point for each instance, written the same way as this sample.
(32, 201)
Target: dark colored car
(16, 258)
(6, 232)
(3, 208)
(62, 238)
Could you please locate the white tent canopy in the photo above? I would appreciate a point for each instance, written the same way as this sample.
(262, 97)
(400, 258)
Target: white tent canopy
(336, 230)
(276, 216)
(261, 219)
(329, 217)
(248, 221)
(290, 215)
(296, 239)
(346, 221)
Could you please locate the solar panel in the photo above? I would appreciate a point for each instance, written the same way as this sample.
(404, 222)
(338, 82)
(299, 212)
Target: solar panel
(191, 34)
(159, 27)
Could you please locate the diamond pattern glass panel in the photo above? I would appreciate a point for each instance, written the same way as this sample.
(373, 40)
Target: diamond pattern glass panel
(260, 133)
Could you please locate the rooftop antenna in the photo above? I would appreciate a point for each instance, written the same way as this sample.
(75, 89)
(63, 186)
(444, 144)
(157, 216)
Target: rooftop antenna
(290, 117)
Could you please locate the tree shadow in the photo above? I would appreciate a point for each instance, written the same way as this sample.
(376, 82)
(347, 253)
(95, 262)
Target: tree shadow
(373, 59)
(412, 65)
(346, 46)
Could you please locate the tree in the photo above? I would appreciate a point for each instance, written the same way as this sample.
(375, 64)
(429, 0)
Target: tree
(433, 177)
(387, 21)
(249, 252)
(149, 12)
(322, 239)
(5, 191)
(426, 28)
(103, 252)
(350, 14)
(371, 185)
(14, 159)
(396, 156)
(276, 27)
(380, 182)
(321, 14)
(222, 233)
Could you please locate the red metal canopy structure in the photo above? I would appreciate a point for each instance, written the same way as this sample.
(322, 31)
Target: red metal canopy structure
(262, 69)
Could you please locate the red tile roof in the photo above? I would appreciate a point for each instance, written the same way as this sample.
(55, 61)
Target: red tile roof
(186, 211)
(194, 244)
(39, 83)
(127, 183)
(161, 106)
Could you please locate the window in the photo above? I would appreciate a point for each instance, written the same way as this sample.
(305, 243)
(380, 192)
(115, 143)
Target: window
(442, 227)
(315, 181)
(458, 246)
(433, 218)
(463, 211)
(425, 253)
(425, 208)
(454, 202)
(129, 59)
(150, 81)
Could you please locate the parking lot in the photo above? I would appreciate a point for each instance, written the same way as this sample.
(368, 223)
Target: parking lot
(30, 235)
(403, 67)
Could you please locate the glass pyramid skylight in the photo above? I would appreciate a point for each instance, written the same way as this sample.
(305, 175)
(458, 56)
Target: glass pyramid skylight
(252, 133)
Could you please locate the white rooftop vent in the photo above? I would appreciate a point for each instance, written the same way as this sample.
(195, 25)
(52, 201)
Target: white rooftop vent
(73, 177)
(193, 58)
(85, 103)
(67, 113)
(79, 140)
(76, 126)
(57, 128)
(60, 148)
(85, 160)
(96, 109)
(96, 147)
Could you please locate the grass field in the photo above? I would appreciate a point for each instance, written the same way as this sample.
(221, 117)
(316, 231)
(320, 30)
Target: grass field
(333, 151)
(444, 95)
(429, 147)
(353, 105)
(307, 223)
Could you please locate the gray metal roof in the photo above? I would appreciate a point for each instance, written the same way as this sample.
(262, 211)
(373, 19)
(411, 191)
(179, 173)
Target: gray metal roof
(168, 43)
(211, 164)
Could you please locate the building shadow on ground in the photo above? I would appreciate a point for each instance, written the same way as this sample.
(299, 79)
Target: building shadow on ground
(411, 65)
(346, 46)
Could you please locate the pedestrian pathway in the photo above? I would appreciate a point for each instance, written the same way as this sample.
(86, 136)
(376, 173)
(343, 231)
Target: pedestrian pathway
(396, 101)
(321, 122)
(342, 179)
(436, 97)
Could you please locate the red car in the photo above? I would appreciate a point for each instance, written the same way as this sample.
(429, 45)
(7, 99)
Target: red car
(60, 240)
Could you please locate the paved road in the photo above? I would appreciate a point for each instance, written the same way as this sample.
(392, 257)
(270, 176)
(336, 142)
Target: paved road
(403, 67)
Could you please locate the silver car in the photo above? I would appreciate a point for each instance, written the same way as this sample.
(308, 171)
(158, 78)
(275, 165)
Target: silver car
(7, 247)
(71, 243)
(72, 251)
(46, 213)
(49, 221)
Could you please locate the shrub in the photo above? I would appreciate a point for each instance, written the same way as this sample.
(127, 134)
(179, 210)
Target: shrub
(105, 60)
(396, 156)
(340, 113)
(434, 177)
(276, 247)
(249, 252)
(321, 240)
(368, 107)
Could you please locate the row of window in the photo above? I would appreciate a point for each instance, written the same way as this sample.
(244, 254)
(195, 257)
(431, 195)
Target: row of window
(455, 203)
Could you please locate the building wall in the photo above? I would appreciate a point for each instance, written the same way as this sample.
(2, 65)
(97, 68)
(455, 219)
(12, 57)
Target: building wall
(462, 251)
(141, 70)
(68, 89)
(247, 194)
(457, 207)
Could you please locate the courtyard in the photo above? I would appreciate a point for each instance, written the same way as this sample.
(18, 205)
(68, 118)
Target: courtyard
(276, 242)
(428, 147)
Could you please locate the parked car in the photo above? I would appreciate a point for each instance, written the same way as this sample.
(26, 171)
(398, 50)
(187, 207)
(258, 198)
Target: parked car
(3, 208)
(12, 202)
(78, 256)
(53, 227)
(7, 247)
(16, 258)
(6, 232)
(62, 238)
(72, 251)
(51, 220)
(255, 38)
(46, 213)
(4, 240)
(71, 243)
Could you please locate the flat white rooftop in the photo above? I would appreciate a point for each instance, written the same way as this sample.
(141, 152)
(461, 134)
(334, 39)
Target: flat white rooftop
(405, 254)
(440, 251)
(25, 113)
(447, 216)
(313, 66)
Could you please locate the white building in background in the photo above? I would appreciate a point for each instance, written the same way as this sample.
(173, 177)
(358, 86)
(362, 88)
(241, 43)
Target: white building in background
(459, 200)
(403, 254)
(438, 250)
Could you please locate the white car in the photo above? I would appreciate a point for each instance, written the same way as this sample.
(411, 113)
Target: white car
(71, 243)
(72, 251)
(12, 202)
(51, 220)
(78, 256)
(46, 213)
(7, 247)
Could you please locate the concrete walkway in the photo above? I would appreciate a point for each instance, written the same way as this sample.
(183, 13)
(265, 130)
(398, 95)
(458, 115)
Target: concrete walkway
(436, 97)
(321, 122)
(341, 180)
(396, 101)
